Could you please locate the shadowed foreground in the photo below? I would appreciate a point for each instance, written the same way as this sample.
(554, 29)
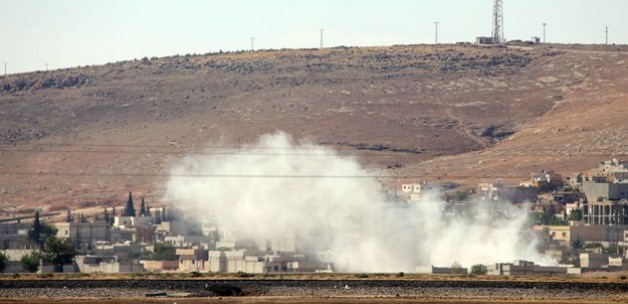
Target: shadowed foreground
(310, 291)
(348, 300)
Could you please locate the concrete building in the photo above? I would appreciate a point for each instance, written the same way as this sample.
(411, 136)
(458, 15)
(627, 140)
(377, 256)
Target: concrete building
(193, 259)
(105, 264)
(14, 235)
(126, 222)
(600, 260)
(87, 233)
(546, 180)
(614, 170)
(603, 191)
(601, 234)
(412, 191)
(606, 213)
(484, 40)
(17, 254)
(561, 234)
(524, 268)
(160, 266)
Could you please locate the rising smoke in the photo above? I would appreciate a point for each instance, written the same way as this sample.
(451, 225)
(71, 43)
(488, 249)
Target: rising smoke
(276, 189)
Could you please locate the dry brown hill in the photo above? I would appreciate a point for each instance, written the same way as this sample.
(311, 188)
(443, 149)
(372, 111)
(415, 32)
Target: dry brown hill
(90, 134)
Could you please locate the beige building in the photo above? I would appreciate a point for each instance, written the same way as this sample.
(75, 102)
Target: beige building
(193, 259)
(105, 264)
(412, 191)
(160, 266)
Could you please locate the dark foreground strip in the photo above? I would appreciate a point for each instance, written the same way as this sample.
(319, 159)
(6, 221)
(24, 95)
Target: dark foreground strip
(255, 286)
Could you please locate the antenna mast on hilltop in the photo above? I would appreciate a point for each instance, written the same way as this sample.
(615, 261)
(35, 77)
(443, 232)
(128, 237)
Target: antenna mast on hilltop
(498, 23)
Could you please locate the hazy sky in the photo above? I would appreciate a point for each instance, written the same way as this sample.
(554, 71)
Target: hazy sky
(66, 33)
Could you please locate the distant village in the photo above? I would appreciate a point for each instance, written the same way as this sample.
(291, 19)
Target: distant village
(582, 222)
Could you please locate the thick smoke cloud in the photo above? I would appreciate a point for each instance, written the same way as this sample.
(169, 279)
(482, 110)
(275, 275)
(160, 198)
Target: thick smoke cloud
(276, 189)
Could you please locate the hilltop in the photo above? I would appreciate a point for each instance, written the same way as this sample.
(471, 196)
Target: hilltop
(88, 135)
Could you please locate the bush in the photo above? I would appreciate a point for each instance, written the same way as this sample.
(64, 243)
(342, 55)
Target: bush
(479, 269)
(4, 260)
(30, 262)
(242, 274)
(362, 275)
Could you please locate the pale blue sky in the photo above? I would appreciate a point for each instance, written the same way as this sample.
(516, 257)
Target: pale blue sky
(66, 33)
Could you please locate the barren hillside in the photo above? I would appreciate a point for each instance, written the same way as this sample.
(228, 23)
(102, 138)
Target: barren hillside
(90, 134)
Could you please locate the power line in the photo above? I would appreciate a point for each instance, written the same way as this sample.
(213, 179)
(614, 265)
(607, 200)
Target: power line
(252, 152)
(226, 153)
(264, 176)
(321, 147)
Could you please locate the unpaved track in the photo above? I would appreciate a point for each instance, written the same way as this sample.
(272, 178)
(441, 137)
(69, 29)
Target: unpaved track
(312, 291)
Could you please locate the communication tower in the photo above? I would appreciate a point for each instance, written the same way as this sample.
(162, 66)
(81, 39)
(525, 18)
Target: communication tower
(498, 23)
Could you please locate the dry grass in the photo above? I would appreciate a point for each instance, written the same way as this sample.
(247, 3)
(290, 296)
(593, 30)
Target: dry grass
(437, 99)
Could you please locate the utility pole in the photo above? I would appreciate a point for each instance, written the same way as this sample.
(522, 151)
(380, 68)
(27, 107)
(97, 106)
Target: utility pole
(436, 32)
(252, 43)
(5, 69)
(46, 66)
(321, 39)
(544, 32)
(606, 32)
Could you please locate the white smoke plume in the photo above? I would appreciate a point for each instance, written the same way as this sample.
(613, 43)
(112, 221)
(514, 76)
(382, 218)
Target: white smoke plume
(276, 189)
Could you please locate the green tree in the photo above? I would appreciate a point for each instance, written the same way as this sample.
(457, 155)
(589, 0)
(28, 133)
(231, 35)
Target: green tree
(575, 215)
(68, 217)
(106, 216)
(4, 260)
(164, 252)
(143, 208)
(577, 244)
(130, 209)
(41, 231)
(59, 251)
(35, 234)
(30, 262)
(479, 269)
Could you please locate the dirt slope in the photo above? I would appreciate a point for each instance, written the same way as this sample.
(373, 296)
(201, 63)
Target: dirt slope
(90, 134)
